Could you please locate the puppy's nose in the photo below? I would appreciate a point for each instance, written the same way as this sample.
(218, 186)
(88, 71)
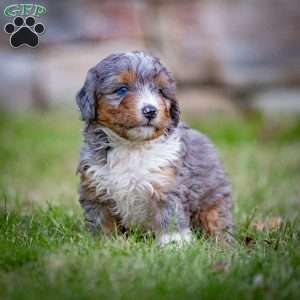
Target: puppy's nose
(149, 112)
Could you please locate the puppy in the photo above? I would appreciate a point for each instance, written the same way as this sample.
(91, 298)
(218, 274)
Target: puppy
(139, 166)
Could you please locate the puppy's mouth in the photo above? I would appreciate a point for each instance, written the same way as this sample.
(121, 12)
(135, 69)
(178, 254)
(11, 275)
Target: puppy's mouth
(143, 132)
(141, 126)
(138, 132)
(147, 126)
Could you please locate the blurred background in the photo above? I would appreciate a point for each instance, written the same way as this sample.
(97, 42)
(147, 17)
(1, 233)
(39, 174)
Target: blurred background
(237, 64)
(225, 54)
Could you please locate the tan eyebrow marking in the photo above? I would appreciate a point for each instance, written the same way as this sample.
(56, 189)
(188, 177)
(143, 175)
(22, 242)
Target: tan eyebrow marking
(127, 77)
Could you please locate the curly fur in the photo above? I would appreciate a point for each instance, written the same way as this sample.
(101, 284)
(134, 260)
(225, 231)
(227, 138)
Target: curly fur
(169, 180)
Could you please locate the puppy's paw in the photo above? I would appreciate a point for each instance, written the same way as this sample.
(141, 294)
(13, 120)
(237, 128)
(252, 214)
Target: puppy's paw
(179, 239)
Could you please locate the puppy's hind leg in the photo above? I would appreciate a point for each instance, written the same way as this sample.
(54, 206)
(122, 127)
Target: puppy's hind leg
(216, 220)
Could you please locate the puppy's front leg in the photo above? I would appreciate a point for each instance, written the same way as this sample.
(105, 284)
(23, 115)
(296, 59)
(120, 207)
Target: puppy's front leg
(171, 225)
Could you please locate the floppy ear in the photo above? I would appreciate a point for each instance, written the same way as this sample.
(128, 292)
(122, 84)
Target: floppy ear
(166, 80)
(86, 97)
(169, 92)
(175, 112)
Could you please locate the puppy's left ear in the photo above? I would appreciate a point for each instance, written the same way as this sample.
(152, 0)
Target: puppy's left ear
(175, 111)
(86, 97)
(168, 89)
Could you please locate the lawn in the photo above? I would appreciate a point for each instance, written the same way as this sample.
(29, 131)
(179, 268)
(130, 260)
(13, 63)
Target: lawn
(46, 252)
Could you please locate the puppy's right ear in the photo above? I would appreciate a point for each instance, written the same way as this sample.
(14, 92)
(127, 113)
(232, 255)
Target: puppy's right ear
(86, 97)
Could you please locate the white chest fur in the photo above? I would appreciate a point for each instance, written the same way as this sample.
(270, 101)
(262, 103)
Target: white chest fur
(131, 172)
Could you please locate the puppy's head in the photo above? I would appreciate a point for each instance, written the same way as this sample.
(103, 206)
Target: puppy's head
(131, 94)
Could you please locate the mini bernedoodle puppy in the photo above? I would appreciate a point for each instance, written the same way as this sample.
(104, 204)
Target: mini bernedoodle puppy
(140, 167)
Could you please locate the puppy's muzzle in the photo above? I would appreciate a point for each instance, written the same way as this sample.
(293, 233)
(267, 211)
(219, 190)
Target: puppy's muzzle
(149, 112)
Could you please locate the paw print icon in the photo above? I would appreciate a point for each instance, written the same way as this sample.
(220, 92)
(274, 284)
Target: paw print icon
(24, 32)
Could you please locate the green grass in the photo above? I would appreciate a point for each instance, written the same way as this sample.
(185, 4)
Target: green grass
(46, 252)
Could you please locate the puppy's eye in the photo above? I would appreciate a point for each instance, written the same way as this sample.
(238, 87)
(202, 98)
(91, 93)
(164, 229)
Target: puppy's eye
(122, 91)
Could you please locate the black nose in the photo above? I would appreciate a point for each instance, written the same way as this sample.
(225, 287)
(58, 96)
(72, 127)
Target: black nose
(149, 112)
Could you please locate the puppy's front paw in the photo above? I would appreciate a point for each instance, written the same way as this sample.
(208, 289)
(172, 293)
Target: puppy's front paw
(179, 238)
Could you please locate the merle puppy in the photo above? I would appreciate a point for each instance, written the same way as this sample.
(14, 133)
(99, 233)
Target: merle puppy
(140, 167)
